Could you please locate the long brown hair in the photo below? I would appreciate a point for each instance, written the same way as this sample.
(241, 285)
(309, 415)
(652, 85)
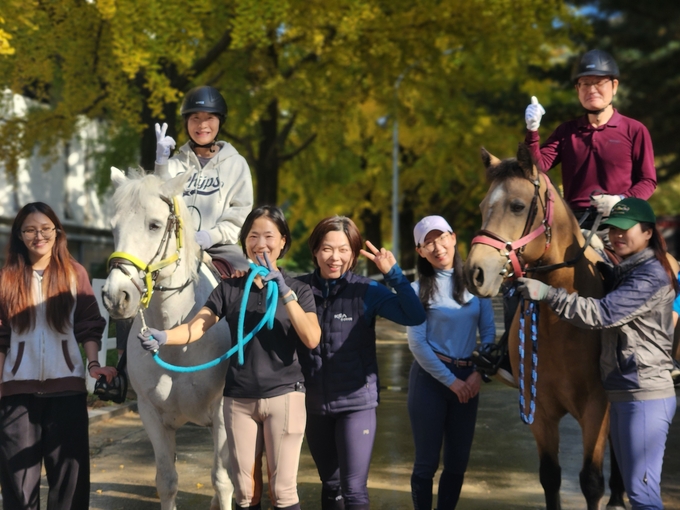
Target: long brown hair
(428, 282)
(16, 295)
(658, 244)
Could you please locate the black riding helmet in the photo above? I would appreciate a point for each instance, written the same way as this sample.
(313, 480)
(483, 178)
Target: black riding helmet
(596, 63)
(203, 99)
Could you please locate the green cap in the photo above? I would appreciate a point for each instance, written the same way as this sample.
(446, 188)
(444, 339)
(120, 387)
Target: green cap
(630, 211)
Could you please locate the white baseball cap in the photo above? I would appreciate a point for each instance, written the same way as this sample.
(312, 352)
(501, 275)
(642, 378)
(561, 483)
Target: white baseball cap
(427, 225)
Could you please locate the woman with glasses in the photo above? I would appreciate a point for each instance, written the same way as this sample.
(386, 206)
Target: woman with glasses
(341, 374)
(443, 389)
(47, 309)
(602, 153)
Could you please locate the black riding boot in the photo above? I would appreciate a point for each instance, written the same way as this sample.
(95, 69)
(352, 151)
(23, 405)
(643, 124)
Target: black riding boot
(450, 485)
(331, 499)
(421, 492)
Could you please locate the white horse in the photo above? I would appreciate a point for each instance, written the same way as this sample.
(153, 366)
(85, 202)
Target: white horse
(155, 249)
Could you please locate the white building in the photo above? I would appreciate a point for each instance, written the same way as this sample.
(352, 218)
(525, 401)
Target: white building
(64, 184)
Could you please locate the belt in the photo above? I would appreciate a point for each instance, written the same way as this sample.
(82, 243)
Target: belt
(457, 362)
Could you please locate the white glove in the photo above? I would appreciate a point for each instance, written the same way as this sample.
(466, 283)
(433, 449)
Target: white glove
(604, 203)
(533, 114)
(203, 239)
(164, 144)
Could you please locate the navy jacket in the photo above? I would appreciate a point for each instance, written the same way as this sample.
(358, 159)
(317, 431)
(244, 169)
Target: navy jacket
(341, 373)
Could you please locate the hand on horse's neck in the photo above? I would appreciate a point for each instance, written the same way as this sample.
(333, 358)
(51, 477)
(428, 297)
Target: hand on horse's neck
(601, 118)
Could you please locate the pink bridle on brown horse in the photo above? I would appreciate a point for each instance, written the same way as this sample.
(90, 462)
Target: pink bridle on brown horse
(510, 249)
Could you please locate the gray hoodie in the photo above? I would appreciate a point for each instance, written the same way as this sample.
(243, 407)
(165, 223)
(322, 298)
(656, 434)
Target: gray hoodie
(637, 323)
(219, 195)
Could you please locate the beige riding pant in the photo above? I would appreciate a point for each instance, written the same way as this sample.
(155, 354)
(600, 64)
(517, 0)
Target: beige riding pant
(276, 425)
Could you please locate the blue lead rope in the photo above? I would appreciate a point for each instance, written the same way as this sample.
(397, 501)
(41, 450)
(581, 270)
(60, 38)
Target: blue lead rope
(532, 311)
(268, 320)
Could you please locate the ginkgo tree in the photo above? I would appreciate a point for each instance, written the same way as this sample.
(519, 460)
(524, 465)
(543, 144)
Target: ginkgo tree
(305, 82)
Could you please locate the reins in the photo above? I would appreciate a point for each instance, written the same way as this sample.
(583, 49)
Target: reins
(532, 310)
(267, 319)
(149, 272)
(510, 249)
(573, 261)
(513, 249)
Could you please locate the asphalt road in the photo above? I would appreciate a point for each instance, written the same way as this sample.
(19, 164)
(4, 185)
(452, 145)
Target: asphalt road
(503, 471)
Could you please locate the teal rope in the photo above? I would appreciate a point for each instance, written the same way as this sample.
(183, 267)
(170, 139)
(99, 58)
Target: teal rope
(268, 320)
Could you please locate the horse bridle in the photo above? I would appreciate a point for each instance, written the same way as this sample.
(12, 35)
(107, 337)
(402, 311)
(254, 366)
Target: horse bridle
(513, 249)
(149, 272)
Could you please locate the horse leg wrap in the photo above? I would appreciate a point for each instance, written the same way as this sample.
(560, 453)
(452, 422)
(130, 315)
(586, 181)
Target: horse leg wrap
(550, 474)
(592, 485)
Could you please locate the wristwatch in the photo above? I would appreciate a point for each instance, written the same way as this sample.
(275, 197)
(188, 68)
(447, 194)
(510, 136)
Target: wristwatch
(290, 297)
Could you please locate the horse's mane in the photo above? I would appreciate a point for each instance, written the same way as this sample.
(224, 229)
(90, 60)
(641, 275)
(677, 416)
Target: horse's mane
(135, 190)
(506, 169)
(134, 193)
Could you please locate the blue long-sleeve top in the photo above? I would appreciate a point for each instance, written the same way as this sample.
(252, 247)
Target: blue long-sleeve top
(450, 328)
(402, 306)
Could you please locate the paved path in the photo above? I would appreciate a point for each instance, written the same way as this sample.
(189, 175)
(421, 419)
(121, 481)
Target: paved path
(503, 471)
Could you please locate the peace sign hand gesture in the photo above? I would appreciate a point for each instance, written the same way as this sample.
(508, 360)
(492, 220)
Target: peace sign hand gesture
(382, 258)
(164, 143)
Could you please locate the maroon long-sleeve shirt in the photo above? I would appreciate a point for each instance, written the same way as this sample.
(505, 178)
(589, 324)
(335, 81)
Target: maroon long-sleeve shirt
(616, 158)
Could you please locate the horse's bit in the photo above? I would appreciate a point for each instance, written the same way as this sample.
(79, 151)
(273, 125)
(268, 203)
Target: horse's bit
(511, 249)
(149, 272)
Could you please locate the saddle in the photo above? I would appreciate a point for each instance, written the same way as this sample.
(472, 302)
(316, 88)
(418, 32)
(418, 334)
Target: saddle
(220, 267)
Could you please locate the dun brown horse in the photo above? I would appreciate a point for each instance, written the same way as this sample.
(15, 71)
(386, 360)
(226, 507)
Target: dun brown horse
(527, 226)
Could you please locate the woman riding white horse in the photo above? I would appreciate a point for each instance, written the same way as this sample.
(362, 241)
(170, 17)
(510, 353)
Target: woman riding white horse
(156, 264)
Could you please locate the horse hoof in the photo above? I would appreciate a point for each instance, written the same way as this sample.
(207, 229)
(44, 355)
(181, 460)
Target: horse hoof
(617, 507)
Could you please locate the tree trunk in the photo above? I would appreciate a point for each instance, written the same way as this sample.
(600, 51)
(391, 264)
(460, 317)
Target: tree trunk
(407, 245)
(371, 222)
(267, 163)
(148, 142)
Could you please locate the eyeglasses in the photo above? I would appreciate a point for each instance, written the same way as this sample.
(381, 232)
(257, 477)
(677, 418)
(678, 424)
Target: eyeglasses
(443, 240)
(32, 233)
(599, 84)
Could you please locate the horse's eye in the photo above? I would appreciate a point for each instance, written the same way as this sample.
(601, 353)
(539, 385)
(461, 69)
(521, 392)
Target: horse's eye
(153, 227)
(517, 206)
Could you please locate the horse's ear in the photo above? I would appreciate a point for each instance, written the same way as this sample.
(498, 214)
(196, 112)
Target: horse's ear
(175, 186)
(525, 161)
(117, 177)
(489, 159)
